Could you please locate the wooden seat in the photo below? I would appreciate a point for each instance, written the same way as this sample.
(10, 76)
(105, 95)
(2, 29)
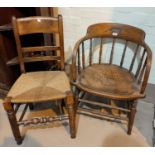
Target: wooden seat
(112, 62)
(109, 81)
(39, 86)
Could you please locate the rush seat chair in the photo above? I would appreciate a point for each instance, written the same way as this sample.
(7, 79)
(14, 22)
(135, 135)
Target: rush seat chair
(39, 86)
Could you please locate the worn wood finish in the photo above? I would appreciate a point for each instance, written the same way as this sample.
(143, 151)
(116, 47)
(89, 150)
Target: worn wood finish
(103, 105)
(131, 116)
(123, 55)
(140, 64)
(40, 25)
(39, 86)
(71, 110)
(61, 40)
(12, 119)
(32, 25)
(90, 53)
(127, 32)
(109, 81)
(113, 80)
(40, 48)
(133, 59)
(34, 59)
(79, 62)
(100, 54)
(42, 120)
(112, 51)
(83, 55)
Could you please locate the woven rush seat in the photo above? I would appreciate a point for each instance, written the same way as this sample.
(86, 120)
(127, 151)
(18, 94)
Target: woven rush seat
(39, 86)
(109, 80)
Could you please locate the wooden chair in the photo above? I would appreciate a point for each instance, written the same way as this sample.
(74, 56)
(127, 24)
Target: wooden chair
(39, 86)
(111, 61)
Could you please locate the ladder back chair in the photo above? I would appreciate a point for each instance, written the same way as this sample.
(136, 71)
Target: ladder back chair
(112, 61)
(39, 86)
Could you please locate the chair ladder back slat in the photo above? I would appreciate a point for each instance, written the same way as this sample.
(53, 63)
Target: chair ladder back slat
(39, 48)
(140, 64)
(41, 58)
(123, 54)
(133, 59)
(40, 25)
(112, 51)
(83, 55)
(100, 52)
(79, 62)
(90, 53)
(142, 71)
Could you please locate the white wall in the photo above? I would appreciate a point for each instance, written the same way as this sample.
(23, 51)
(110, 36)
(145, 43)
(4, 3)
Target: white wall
(76, 21)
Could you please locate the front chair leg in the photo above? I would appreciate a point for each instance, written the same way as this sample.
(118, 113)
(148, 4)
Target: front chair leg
(131, 116)
(71, 112)
(13, 121)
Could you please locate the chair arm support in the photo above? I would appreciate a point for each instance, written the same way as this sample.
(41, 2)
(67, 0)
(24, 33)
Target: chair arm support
(75, 51)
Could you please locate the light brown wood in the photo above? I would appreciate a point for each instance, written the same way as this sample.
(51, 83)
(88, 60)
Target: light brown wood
(112, 51)
(40, 25)
(37, 24)
(100, 55)
(123, 54)
(83, 55)
(15, 60)
(127, 32)
(41, 86)
(109, 81)
(40, 48)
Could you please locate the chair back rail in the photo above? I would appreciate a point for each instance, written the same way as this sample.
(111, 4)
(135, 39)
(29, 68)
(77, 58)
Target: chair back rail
(35, 25)
(136, 56)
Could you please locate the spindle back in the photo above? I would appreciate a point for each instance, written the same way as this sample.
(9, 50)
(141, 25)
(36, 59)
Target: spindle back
(114, 44)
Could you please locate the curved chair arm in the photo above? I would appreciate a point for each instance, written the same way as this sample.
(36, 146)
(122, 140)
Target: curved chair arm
(147, 63)
(148, 68)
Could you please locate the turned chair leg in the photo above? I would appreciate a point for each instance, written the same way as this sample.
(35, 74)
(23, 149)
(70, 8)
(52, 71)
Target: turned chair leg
(13, 121)
(71, 112)
(131, 116)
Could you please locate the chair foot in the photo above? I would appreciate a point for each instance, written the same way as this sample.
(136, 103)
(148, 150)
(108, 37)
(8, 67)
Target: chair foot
(19, 141)
(73, 136)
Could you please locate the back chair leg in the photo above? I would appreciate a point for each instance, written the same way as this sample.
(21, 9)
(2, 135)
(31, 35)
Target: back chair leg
(131, 116)
(13, 121)
(71, 112)
(76, 94)
(61, 107)
(31, 106)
